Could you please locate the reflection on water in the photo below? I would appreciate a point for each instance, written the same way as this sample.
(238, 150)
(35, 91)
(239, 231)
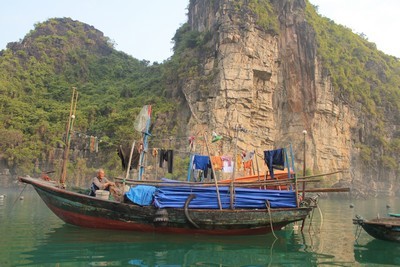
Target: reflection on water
(378, 252)
(68, 244)
(33, 236)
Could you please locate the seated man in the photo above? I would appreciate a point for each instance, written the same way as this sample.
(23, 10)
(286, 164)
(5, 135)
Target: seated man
(100, 182)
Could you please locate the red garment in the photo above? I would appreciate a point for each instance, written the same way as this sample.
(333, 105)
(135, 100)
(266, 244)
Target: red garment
(248, 165)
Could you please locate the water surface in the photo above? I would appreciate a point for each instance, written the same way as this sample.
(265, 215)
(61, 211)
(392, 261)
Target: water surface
(33, 236)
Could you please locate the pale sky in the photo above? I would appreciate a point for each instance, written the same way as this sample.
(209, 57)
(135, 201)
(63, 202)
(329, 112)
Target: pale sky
(379, 20)
(144, 28)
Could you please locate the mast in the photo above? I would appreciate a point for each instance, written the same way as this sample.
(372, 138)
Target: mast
(143, 124)
(71, 120)
(231, 187)
(213, 172)
(129, 164)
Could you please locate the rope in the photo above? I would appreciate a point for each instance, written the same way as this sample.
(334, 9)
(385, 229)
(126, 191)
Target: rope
(358, 232)
(18, 197)
(271, 252)
(270, 219)
(311, 217)
(322, 217)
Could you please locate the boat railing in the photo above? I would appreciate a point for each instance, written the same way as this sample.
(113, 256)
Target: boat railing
(174, 183)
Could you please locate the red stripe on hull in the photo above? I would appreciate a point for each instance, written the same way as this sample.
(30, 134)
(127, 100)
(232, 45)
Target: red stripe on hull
(102, 223)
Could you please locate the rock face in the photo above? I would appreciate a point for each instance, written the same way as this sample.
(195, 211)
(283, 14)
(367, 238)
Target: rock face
(268, 87)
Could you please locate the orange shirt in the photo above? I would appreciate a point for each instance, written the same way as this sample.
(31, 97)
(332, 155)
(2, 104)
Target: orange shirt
(216, 162)
(248, 165)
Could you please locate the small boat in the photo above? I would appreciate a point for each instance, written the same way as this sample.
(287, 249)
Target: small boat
(385, 228)
(175, 206)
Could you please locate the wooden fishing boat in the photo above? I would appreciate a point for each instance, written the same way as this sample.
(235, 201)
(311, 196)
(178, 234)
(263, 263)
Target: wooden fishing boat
(175, 207)
(385, 228)
(80, 209)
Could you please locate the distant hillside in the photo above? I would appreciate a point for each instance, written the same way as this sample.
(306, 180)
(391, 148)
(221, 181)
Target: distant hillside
(36, 77)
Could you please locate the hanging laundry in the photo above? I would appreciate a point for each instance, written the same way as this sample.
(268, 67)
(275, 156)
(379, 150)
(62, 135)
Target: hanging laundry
(238, 162)
(275, 159)
(168, 156)
(216, 163)
(228, 159)
(201, 163)
(124, 154)
(227, 165)
(248, 165)
(248, 155)
(215, 137)
(191, 142)
(92, 143)
(154, 153)
(96, 144)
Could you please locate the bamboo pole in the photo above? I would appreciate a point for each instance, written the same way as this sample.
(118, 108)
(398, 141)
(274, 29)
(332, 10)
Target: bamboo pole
(304, 162)
(234, 155)
(291, 167)
(213, 172)
(268, 182)
(231, 186)
(129, 164)
(200, 184)
(328, 190)
(71, 118)
(251, 185)
(320, 175)
(258, 168)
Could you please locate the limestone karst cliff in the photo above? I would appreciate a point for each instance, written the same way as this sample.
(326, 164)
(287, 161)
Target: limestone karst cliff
(264, 70)
(271, 82)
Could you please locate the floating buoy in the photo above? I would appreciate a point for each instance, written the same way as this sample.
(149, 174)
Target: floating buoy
(21, 198)
(351, 205)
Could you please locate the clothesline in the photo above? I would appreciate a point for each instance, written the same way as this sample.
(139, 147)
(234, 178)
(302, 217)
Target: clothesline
(190, 138)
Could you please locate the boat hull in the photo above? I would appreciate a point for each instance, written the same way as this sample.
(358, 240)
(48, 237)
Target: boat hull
(86, 211)
(387, 228)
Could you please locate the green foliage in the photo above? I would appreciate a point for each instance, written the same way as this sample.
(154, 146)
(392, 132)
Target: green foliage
(263, 10)
(395, 145)
(365, 153)
(389, 163)
(36, 77)
(359, 72)
(185, 39)
(266, 15)
(362, 76)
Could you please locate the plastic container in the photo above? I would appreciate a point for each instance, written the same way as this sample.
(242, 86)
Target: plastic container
(103, 194)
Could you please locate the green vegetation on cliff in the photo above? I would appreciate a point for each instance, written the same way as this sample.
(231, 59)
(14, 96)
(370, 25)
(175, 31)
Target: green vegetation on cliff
(36, 77)
(366, 79)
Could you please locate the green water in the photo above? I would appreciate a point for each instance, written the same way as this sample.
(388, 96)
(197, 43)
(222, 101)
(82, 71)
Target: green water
(32, 236)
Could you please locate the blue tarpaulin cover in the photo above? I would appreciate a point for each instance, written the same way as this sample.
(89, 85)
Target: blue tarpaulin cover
(206, 197)
(141, 194)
